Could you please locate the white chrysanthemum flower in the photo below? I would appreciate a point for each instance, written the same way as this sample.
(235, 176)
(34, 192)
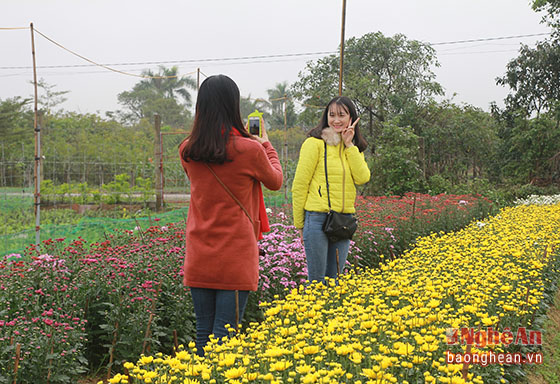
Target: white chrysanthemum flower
(538, 200)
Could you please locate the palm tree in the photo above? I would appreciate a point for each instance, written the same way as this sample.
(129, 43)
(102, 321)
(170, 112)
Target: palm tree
(167, 83)
(277, 96)
(248, 105)
(165, 93)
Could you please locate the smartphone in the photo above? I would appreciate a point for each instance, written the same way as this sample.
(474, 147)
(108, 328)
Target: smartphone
(255, 126)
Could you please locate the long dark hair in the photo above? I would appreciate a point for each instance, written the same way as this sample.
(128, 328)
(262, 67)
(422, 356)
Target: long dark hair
(347, 104)
(217, 111)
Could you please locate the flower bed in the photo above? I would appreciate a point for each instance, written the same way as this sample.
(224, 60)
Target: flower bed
(71, 308)
(388, 225)
(395, 324)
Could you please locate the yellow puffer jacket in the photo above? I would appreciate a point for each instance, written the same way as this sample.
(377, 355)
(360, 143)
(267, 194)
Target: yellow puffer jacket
(346, 168)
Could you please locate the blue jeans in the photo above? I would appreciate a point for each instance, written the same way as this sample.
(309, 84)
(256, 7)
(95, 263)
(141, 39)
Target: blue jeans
(319, 251)
(214, 308)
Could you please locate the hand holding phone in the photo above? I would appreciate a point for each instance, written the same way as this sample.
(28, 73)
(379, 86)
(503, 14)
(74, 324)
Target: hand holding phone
(255, 126)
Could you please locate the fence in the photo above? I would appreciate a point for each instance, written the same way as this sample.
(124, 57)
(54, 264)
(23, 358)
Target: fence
(19, 173)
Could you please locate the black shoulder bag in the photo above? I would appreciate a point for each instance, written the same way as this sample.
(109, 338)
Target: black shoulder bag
(337, 226)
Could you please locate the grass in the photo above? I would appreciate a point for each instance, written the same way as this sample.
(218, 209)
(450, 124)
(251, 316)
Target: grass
(549, 371)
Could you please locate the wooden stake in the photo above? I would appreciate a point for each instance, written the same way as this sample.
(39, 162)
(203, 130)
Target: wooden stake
(184, 217)
(392, 254)
(413, 208)
(146, 345)
(337, 265)
(16, 364)
(338, 276)
(50, 367)
(140, 231)
(147, 334)
(465, 370)
(175, 341)
(115, 332)
(236, 310)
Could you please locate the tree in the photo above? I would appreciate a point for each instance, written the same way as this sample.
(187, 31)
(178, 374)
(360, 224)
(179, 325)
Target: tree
(16, 121)
(87, 148)
(49, 98)
(552, 8)
(168, 84)
(395, 168)
(458, 141)
(529, 149)
(248, 105)
(534, 79)
(16, 142)
(277, 96)
(385, 76)
(530, 122)
(165, 93)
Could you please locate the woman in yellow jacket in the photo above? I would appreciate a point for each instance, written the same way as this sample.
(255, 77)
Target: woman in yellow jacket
(346, 168)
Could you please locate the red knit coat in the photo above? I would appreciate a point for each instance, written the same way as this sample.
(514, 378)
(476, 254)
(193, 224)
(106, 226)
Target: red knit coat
(221, 248)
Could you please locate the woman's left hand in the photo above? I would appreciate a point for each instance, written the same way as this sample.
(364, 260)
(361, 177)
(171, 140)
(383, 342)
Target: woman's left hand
(348, 133)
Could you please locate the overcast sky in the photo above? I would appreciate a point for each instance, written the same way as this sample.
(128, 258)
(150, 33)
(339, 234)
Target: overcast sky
(183, 31)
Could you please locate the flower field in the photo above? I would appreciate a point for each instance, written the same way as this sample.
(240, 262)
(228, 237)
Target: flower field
(68, 309)
(389, 224)
(392, 325)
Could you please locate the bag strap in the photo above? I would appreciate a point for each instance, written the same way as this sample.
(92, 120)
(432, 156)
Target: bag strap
(327, 177)
(230, 193)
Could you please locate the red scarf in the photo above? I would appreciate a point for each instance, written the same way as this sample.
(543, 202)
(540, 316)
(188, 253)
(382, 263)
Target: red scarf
(265, 226)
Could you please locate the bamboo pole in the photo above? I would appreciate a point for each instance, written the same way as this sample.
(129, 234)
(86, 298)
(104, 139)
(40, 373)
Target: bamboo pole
(285, 148)
(343, 26)
(158, 158)
(37, 129)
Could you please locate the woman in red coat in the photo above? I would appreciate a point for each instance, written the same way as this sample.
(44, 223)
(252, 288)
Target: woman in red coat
(225, 165)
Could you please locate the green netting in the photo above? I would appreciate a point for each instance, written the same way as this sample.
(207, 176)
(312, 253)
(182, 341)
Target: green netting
(89, 228)
(9, 203)
(277, 199)
(92, 229)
